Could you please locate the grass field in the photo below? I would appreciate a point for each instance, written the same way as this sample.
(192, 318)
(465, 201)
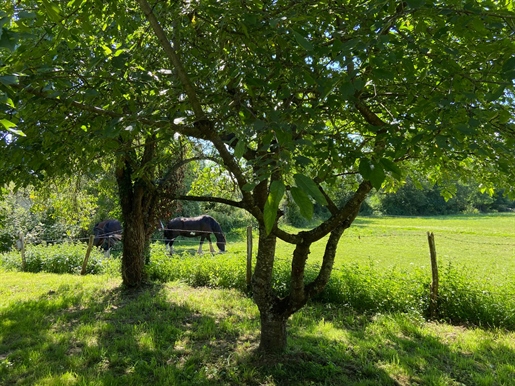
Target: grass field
(86, 330)
(482, 243)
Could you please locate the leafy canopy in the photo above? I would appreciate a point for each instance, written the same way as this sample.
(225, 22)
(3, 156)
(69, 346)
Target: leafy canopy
(302, 93)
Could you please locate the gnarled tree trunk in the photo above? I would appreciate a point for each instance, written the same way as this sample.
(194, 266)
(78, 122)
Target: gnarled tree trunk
(275, 311)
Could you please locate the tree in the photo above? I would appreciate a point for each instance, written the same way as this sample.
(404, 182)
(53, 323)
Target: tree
(72, 97)
(290, 97)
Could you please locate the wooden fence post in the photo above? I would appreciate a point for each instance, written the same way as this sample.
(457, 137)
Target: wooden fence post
(88, 251)
(433, 305)
(249, 257)
(21, 247)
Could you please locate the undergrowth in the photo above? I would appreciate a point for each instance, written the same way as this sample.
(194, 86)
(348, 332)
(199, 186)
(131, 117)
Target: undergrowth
(60, 258)
(361, 288)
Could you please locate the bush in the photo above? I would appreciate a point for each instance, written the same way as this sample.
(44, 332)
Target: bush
(60, 258)
(480, 303)
(220, 271)
(364, 288)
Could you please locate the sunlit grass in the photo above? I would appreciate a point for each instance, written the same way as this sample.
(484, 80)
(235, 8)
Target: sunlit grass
(482, 244)
(73, 330)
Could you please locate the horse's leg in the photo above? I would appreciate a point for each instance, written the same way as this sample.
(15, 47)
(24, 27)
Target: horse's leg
(211, 249)
(200, 245)
(107, 252)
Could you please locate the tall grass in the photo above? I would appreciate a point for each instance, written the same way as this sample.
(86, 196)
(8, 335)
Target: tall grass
(369, 286)
(360, 288)
(60, 258)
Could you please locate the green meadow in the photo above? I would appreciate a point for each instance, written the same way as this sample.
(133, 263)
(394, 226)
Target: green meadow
(481, 244)
(195, 322)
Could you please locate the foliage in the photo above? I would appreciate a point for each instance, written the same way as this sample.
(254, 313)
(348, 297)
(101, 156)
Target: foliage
(37, 219)
(364, 289)
(427, 200)
(62, 209)
(58, 258)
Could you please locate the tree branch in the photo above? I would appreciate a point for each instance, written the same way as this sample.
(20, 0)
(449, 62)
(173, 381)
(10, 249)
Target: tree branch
(174, 59)
(236, 204)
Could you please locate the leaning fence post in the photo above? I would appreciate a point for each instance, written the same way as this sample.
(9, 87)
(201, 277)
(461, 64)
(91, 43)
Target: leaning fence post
(21, 246)
(249, 257)
(88, 251)
(433, 305)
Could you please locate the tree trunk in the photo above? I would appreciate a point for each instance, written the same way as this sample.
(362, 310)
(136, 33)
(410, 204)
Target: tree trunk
(273, 323)
(131, 195)
(133, 259)
(273, 333)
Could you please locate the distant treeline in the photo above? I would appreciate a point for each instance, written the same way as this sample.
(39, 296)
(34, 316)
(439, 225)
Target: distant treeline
(423, 199)
(429, 201)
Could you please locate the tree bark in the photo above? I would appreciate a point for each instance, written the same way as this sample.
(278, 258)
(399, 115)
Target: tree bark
(273, 319)
(273, 333)
(133, 259)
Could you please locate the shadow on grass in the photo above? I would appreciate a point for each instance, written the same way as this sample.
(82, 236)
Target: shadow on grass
(155, 335)
(394, 350)
(125, 337)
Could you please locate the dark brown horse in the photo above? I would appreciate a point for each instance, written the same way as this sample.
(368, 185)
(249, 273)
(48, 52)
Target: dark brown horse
(202, 226)
(107, 234)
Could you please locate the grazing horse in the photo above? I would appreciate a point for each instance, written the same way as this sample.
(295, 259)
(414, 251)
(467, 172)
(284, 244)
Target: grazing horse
(202, 226)
(107, 233)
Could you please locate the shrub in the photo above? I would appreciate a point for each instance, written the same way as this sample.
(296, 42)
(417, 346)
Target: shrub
(361, 288)
(480, 303)
(59, 258)
(221, 270)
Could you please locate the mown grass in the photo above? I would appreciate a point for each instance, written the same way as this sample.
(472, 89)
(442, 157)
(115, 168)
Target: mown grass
(196, 324)
(73, 330)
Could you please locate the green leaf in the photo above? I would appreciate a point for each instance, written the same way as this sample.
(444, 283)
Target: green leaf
(52, 11)
(283, 137)
(365, 168)
(107, 50)
(392, 167)
(415, 3)
(465, 129)
(272, 204)
(303, 42)
(8, 39)
(9, 126)
(509, 65)
(309, 187)
(248, 187)
(239, 150)
(303, 201)
(372, 172)
(26, 15)
(496, 94)
(377, 176)
(303, 161)
(8, 79)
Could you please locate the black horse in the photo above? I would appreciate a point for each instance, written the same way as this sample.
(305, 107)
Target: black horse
(107, 234)
(202, 226)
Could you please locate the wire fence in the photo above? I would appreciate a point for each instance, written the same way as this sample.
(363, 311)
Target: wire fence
(237, 235)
